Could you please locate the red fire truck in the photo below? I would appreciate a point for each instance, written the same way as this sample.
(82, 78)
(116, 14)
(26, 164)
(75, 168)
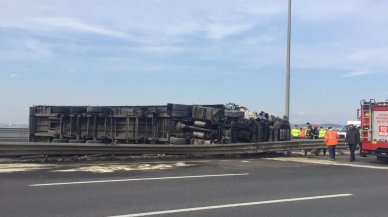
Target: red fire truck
(374, 128)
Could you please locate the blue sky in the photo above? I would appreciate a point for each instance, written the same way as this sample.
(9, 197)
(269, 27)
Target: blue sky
(143, 52)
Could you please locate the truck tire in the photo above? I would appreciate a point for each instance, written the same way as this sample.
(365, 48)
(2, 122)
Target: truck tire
(77, 110)
(59, 109)
(95, 109)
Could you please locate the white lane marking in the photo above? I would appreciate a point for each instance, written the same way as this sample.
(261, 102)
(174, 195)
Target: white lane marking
(233, 205)
(139, 179)
(326, 162)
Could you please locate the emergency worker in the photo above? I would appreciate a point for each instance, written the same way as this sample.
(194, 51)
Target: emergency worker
(309, 131)
(302, 133)
(315, 131)
(314, 135)
(295, 132)
(362, 153)
(352, 139)
(322, 133)
(331, 141)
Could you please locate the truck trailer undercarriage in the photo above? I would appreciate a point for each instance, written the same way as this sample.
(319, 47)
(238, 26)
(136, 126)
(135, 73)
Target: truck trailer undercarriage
(161, 124)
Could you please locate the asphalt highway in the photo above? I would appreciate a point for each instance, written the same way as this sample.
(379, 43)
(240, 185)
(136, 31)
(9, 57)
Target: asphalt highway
(216, 187)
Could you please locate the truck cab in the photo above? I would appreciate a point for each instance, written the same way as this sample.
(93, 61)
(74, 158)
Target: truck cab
(374, 128)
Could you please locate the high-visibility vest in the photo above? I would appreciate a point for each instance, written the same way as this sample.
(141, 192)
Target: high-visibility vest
(295, 132)
(302, 134)
(322, 133)
(331, 138)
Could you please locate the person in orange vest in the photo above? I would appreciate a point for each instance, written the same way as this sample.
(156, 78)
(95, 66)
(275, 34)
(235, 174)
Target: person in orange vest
(331, 141)
(302, 133)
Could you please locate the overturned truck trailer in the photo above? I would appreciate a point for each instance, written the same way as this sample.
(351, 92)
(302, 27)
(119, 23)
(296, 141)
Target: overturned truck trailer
(163, 124)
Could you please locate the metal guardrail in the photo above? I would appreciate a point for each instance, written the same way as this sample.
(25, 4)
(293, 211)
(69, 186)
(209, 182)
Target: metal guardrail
(31, 148)
(14, 134)
(13, 130)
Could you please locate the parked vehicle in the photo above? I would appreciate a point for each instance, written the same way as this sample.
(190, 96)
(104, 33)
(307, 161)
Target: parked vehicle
(163, 124)
(344, 129)
(374, 128)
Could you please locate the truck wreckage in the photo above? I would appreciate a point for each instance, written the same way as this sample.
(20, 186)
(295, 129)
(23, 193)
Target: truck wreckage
(163, 124)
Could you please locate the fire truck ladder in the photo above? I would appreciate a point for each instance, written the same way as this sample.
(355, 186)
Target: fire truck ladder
(366, 119)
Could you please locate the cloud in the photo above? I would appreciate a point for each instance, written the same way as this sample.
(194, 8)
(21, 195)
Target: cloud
(76, 25)
(37, 48)
(263, 39)
(340, 57)
(13, 75)
(182, 28)
(53, 25)
(327, 10)
(369, 56)
(152, 22)
(164, 49)
(25, 48)
(356, 73)
(218, 31)
(212, 30)
(260, 8)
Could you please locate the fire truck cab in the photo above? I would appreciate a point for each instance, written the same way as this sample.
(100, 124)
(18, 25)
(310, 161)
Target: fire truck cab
(374, 128)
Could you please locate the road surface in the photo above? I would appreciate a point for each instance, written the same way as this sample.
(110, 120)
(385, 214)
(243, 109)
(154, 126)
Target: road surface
(293, 186)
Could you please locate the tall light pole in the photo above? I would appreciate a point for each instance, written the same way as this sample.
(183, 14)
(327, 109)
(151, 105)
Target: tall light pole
(287, 112)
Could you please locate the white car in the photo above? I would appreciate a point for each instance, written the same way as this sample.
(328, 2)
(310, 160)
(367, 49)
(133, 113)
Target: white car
(342, 132)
